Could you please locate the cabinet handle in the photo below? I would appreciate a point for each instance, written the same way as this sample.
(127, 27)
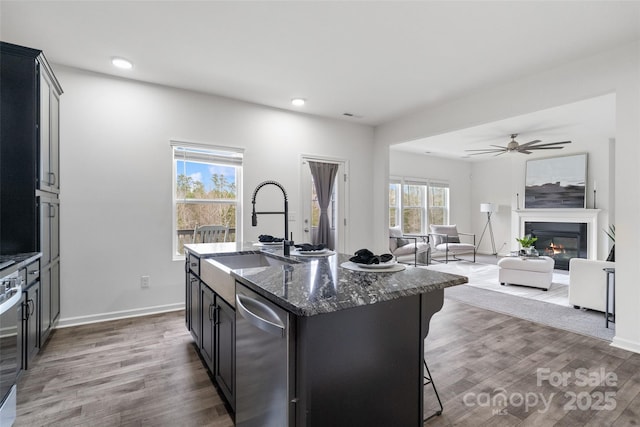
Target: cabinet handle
(216, 317)
(194, 264)
(32, 272)
(210, 312)
(31, 309)
(25, 311)
(52, 178)
(52, 211)
(193, 279)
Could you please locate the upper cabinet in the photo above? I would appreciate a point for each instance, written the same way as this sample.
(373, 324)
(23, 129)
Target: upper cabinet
(49, 177)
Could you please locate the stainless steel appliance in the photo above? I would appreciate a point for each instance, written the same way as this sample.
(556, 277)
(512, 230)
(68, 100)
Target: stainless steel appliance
(10, 335)
(262, 362)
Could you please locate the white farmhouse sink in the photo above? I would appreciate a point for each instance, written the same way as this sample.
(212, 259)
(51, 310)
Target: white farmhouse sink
(216, 271)
(250, 260)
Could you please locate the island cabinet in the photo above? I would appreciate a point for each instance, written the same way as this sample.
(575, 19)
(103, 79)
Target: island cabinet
(323, 343)
(195, 308)
(225, 349)
(363, 366)
(211, 321)
(218, 340)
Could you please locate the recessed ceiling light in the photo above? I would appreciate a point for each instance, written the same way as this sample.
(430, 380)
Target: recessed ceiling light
(122, 63)
(298, 102)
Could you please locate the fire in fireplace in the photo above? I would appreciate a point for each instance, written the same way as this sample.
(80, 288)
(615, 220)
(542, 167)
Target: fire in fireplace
(559, 240)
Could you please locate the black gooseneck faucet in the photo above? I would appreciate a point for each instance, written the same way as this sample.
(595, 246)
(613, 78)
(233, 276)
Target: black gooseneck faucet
(254, 214)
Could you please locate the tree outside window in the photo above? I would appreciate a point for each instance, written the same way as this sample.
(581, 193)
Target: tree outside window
(413, 208)
(394, 204)
(438, 204)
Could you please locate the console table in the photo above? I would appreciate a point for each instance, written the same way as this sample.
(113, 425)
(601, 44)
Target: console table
(611, 289)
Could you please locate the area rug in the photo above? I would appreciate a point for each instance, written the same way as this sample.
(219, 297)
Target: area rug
(484, 291)
(485, 276)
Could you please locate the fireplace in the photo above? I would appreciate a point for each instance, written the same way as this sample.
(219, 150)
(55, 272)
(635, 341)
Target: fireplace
(559, 240)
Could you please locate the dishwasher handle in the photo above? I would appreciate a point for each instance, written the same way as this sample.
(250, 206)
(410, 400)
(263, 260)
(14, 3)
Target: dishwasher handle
(273, 326)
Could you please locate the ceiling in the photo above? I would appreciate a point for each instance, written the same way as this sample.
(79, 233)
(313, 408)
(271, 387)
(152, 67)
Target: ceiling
(588, 120)
(376, 60)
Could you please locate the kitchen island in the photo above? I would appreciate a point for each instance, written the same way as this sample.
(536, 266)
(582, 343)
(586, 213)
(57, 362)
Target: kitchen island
(351, 347)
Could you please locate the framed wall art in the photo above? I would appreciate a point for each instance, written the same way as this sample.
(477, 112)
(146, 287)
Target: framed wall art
(557, 182)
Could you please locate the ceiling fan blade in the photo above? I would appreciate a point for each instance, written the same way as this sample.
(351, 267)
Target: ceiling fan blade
(524, 151)
(526, 144)
(545, 148)
(490, 150)
(487, 152)
(499, 146)
(548, 144)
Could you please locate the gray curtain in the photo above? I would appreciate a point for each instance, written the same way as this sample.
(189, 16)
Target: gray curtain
(324, 175)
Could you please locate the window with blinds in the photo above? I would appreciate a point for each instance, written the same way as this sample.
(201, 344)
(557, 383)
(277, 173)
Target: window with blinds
(206, 187)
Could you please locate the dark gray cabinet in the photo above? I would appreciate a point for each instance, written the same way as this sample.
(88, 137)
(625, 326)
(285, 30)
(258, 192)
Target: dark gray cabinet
(207, 345)
(225, 349)
(49, 176)
(31, 329)
(20, 349)
(49, 228)
(211, 321)
(30, 176)
(31, 313)
(195, 308)
(55, 292)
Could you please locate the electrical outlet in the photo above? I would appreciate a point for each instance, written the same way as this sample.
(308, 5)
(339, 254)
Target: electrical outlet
(144, 281)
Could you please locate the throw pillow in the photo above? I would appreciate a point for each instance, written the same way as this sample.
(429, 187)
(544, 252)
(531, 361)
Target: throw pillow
(450, 230)
(402, 242)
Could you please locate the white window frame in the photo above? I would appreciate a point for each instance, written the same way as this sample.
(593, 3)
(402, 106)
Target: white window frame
(428, 183)
(447, 207)
(221, 155)
(398, 204)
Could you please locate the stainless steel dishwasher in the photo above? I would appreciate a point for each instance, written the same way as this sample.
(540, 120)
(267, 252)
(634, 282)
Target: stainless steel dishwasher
(262, 362)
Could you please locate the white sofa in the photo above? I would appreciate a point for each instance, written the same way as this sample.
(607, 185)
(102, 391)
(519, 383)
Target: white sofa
(588, 283)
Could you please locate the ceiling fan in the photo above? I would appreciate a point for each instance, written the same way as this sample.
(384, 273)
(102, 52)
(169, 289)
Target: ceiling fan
(514, 146)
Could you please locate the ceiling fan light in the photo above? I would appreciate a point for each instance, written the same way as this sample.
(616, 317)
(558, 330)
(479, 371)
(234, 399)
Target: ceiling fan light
(512, 146)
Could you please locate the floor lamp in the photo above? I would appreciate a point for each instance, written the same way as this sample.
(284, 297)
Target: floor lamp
(489, 208)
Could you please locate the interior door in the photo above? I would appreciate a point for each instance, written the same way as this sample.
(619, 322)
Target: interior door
(337, 209)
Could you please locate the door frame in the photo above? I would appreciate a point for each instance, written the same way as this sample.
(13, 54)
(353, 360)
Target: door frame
(342, 235)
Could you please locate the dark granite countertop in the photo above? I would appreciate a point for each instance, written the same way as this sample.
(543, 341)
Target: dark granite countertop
(317, 285)
(18, 261)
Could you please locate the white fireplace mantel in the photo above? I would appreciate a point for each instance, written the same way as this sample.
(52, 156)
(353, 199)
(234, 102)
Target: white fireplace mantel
(588, 216)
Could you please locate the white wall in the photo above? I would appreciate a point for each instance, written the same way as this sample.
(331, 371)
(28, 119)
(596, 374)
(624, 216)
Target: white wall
(116, 179)
(455, 172)
(615, 71)
(500, 179)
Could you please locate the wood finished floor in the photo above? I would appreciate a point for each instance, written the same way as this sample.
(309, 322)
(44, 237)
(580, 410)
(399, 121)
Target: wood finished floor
(145, 372)
(142, 371)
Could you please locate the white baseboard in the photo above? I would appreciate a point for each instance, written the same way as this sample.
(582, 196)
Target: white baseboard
(626, 344)
(115, 315)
